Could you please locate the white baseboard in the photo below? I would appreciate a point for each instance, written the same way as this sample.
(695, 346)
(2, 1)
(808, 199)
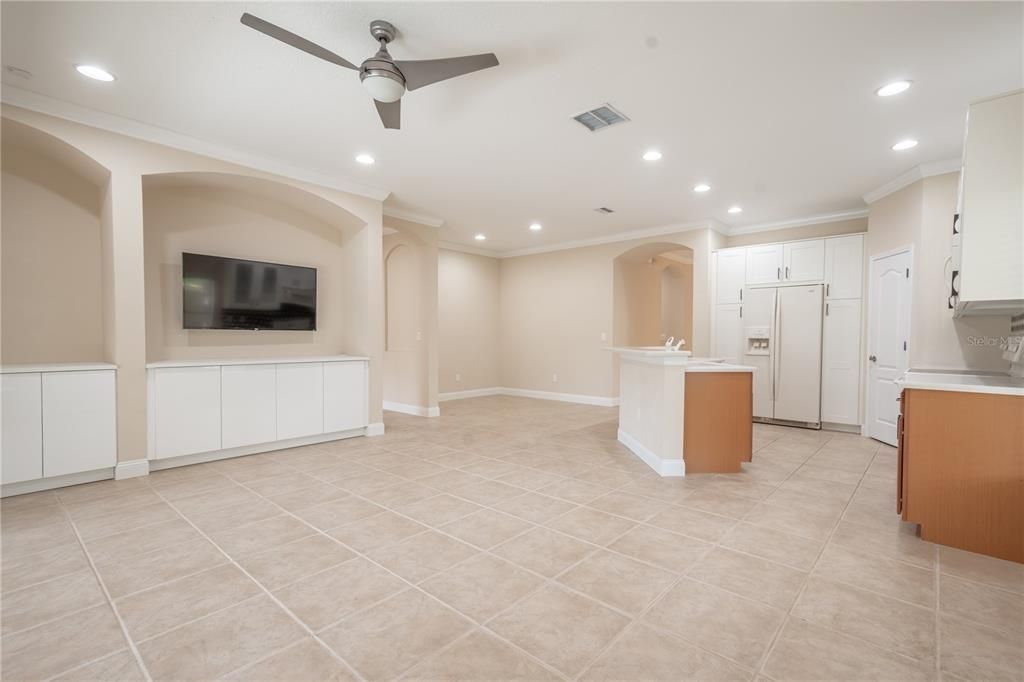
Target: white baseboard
(34, 486)
(415, 410)
(599, 400)
(471, 393)
(374, 429)
(131, 468)
(228, 453)
(663, 467)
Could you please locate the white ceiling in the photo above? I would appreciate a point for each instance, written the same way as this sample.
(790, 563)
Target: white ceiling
(771, 104)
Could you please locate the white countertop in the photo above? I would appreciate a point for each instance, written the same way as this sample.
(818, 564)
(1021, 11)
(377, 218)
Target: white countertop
(218, 362)
(677, 358)
(56, 367)
(968, 383)
(715, 366)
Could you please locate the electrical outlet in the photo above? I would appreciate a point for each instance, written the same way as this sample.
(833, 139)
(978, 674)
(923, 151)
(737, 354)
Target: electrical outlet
(604, 337)
(458, 377)
(554, 378)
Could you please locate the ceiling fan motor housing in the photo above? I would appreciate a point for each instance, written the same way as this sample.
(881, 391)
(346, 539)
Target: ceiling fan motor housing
(382, 66)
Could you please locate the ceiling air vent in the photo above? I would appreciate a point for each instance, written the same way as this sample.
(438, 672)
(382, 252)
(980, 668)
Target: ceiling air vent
(604, 209)
(600, 118)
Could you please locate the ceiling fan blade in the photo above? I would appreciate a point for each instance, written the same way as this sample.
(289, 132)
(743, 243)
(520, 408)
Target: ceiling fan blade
(426, 71)
(295, 41)
(390, 113)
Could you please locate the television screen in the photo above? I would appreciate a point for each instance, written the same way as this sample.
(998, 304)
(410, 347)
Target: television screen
(229, 293)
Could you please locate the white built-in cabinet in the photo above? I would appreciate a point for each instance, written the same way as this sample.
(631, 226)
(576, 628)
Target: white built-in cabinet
(840, 362)
(262, 404)
(57, 420)
(729, 332)
(731, 274)
(803, 262)
(764, 264)
(844, 267)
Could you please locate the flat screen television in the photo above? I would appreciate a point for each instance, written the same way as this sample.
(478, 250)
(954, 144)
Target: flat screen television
(231, 293)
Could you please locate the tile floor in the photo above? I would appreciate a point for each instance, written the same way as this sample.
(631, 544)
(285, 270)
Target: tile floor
(508, 539)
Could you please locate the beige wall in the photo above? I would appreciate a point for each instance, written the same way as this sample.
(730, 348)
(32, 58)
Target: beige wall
(806, 232)
(52, 283)
(468, 289)
(677, 301)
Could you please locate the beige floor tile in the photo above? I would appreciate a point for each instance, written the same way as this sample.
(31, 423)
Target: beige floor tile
(489, 493)
(207, 482)
(438, 510)
(544, 551)
(882, 621)
(131, 500)
(604, 476)
(35, 539)
(807, 652)
(161, 608)
(749, 576)
(60, 645)
(129, 543)
(281, 485)
(305, 661)
(982, 604)
(1008, 575)
(290, 562)
(121, 667)
(220, 643)
(591, 525)
(630, 506)
(28, 569)
(116, 522)
(450, 480)
(530, 479)
(360, 485)
(878, 574)
(815, 525)
(618, 581)
(718, 621)
(646, 654)
(574, 490)
(234, 515)
(194, 505)
(388, 639)
(486, 528)
(58, 597)
(897, 541)
(261, 535)
(142, 571)
(317, 494)
(534, 507)
(421, 556)
(491, 468)
(807, 499)
(973, 652)
(403, 493)
(336, 512)
(481, 656)
(482, 586)
(697, 524)
(328, 596)
(719, 502)
(661, 548)
(339, 471)
(376, 531)
(243, 471)
(563, 629)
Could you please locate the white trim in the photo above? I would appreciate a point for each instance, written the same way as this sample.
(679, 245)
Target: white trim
(663, 467)
(376, 429)
(241, 451)
(419, 218)
(616, 237)
(598, 400)
(34, 486)
(131, 468)
(415, 410)
(821, 219)
(470, 393)
(919, 172)
(465, 248)
(32, 101)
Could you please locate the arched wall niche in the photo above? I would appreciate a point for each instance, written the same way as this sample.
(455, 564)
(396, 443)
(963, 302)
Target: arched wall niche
(52, 246)
(653, 295)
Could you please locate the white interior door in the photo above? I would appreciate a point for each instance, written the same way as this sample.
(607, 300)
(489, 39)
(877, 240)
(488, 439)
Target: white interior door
(888, 341)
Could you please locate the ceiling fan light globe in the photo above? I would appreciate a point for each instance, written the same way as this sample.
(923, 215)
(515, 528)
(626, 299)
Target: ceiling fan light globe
(383, 87)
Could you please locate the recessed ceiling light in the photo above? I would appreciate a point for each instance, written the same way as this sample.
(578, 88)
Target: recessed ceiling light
(701, 187)
(894, 88)
(480, 237)
(94, 72)
(536, 227)
(904, 144)
(735, 209)
(652, 155)
(365, 159)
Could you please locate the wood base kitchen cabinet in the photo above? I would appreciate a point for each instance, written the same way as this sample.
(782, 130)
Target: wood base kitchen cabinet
(961, 469)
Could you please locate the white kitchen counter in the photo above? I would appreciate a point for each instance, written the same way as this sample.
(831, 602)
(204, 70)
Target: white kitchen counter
(716, 367)
(967, 383)
(221, 362)
(56, 367)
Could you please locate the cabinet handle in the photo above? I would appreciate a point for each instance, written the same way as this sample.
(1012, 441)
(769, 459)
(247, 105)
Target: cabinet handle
(826, 310)
(826, 289)
(741, 294)
(741, 312)
(778, 273)
(787, 272)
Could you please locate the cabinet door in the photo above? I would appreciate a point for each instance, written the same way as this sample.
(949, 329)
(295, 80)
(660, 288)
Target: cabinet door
(187, 411)
(840, 374)
(79, 422)
(345, 399)
(248, 404)
(844, 267)
(21, 430)
(804, 261)
(729, 332)
(731, 275)
(300, 400)
(764, 264)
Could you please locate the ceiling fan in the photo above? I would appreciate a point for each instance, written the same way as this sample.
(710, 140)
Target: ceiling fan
(386, 79)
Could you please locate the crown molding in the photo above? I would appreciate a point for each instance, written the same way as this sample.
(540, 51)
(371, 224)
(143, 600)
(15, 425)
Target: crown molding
(919, 172)
(463, 248)
(33, 101)
(801, 222)
(611, 238)
(420, 218)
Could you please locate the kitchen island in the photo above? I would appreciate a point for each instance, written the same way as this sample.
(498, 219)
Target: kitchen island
(681, 414)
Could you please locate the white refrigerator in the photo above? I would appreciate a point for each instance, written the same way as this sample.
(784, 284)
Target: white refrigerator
(782, 340)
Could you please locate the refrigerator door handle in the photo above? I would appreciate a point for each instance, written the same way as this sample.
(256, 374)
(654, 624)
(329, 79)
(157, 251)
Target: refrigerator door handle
(778, 355)
(774, 347)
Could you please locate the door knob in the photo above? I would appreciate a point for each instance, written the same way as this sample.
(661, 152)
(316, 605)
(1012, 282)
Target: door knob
(872, 358)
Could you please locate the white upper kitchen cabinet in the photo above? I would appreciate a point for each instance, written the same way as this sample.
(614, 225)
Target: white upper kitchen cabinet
(729, 332)
(764, 264)
(840, 362)
(844, 267)
(300, 400)
(803, 262)
(21, 430)
(249, 405)
(344, 396)
(731, 274)
(79, 422)
(186, 410)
